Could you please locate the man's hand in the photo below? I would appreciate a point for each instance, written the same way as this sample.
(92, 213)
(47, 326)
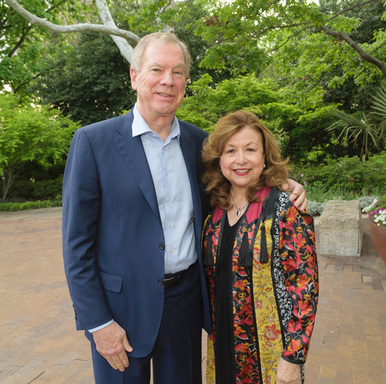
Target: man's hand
(111, 342)
(298, 194)
(287, 373)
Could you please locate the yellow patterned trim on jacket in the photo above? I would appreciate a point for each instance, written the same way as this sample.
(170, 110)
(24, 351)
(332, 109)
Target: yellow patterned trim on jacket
(267, 319)
(210, 362)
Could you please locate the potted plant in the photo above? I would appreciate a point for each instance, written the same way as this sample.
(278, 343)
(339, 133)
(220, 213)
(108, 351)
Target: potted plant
(377, 215)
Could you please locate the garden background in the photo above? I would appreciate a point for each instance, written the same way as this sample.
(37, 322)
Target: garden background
(313, 72)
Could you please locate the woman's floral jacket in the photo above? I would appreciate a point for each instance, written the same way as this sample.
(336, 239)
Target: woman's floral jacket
(274, 287)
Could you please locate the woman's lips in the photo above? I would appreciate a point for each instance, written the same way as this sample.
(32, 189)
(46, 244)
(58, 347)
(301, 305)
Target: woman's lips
(241, 172)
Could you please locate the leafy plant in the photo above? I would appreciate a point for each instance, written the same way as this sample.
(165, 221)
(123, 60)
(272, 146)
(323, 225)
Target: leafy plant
(30, 133)
(364, 130)
(348, 175)
(21, 206)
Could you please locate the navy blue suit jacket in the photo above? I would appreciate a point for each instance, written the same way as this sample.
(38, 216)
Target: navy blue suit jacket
(113, 242)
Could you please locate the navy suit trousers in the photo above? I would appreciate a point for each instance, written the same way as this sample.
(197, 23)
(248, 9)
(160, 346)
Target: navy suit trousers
(176, 355)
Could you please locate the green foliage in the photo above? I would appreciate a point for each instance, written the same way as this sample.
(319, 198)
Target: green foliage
(314, 67)
(366, 131)
(379, 111)
(89, 81)
(208, 104)
(22, 44)
(299, 32)
(229, 32)
(308, 140)
(30, 133)
(50, 189)
(300, 132)
(346, 175)
(22, 206)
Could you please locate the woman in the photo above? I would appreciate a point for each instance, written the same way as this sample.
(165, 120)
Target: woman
(259, 257)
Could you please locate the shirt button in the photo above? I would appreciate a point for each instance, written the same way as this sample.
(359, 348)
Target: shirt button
(171, 251)
(162, 246)
(160, 282)
(169, 225)
(168, 199)
(166, 173)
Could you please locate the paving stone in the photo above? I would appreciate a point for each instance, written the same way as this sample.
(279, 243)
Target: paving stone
(39, 344)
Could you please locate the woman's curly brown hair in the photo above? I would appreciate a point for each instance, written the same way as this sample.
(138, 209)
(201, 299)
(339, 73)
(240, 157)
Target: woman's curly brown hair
(274, 174)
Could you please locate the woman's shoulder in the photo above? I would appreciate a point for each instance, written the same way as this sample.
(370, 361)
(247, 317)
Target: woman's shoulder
(279, 195)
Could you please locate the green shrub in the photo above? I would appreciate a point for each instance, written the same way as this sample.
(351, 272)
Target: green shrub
(37, 190)
(347, 176)
(21, 206)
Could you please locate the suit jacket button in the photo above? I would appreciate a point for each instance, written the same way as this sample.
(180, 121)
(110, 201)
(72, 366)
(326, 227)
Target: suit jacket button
(162, 246)
(160, 282)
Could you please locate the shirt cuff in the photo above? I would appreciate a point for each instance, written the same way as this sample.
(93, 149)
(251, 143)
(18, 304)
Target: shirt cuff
(101, 326)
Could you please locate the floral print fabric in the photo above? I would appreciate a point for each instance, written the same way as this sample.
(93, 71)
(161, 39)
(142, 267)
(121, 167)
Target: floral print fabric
(274, 300)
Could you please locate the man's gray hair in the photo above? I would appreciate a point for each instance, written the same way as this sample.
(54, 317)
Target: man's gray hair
(165, 37)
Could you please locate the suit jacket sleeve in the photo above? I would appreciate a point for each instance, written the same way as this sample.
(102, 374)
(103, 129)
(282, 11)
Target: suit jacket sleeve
(81, 207)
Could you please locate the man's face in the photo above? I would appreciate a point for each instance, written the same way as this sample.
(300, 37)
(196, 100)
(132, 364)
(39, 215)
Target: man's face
(160, 83)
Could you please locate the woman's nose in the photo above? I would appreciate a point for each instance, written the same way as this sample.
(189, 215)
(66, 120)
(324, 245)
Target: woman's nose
(241, 157)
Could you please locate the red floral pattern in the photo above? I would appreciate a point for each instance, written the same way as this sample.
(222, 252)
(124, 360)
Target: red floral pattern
(294, 286)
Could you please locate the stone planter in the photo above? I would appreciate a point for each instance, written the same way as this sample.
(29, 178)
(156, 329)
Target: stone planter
(378, 237)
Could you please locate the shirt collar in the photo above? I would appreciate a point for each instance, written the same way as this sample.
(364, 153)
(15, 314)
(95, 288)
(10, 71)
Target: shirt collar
(140, 126)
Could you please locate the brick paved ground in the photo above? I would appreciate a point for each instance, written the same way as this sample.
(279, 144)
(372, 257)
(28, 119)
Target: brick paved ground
(39, 344)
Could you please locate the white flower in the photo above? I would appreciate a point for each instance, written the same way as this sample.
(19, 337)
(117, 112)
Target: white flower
(370, 207)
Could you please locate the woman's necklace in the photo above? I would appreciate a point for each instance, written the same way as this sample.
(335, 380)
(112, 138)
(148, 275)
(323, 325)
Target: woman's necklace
(238, 210)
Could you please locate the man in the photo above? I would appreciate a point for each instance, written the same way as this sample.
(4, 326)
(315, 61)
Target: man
(133, 206)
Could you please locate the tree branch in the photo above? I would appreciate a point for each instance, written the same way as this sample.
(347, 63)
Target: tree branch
(376, 49)
(109, 27)
(351, 8)
(290, 37)
(21, 85)
(364, 55)
(124, 47)
(20, 42)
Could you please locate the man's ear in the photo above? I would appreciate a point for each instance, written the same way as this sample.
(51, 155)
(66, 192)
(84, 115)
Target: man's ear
(133, 77)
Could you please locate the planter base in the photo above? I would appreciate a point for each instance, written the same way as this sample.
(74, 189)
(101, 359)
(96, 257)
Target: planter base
(378, 237)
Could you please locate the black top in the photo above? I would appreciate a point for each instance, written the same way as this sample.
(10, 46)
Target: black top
(225, 355)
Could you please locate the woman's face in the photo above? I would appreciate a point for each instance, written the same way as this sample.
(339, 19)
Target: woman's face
(242, 160)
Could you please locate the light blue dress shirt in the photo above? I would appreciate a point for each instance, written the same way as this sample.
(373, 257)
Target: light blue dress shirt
(174, 195)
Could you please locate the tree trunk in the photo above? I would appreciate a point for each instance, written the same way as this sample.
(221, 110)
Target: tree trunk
(8, 179)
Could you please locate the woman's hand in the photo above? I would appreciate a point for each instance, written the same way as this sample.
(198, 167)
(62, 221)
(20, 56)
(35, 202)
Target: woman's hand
(287, 373)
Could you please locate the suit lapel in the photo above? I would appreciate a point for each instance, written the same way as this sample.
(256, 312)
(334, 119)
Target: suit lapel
(188, 147)
(133, 155)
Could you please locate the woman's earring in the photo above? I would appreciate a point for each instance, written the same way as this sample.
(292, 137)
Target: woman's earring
(265, 166)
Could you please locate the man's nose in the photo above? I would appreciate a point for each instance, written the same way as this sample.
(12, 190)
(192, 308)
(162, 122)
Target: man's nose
(167, 79)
